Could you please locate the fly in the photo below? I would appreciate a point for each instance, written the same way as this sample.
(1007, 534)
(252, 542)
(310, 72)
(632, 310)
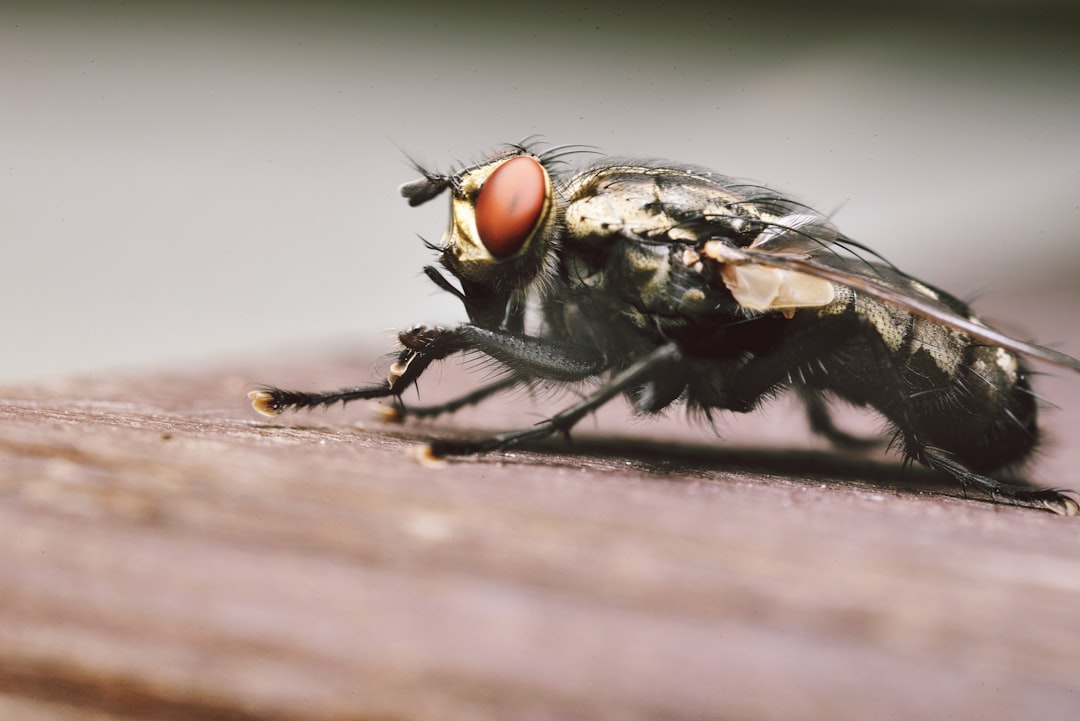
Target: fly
(670, 283)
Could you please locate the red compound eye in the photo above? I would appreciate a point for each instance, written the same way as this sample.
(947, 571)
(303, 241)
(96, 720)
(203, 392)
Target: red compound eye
(508, 207)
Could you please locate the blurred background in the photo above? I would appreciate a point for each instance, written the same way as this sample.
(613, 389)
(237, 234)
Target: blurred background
(186, 183)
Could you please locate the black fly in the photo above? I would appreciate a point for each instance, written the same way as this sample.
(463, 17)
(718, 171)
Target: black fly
(670, 283)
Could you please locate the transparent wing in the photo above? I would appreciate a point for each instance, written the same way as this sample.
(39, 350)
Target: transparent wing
(826, 265)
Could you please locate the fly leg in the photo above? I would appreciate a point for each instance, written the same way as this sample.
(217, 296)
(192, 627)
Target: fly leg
(1049, 499)
(821, 423)
(399, 412)
(524, 355)
(565, 420)
(422, 349)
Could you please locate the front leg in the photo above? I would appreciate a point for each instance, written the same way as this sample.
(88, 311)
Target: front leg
(421, 346)
(399, 411)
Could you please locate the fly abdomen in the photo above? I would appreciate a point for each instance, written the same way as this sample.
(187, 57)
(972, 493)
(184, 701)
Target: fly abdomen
(986, 417)
(937, 384)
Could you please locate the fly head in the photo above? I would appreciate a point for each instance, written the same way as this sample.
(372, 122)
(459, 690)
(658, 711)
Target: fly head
(503, 220)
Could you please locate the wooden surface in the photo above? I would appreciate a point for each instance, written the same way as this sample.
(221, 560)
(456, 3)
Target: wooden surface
(167, 554)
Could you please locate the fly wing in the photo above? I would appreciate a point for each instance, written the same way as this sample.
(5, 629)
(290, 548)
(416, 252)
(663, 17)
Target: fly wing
(825, 267)
(790, 263)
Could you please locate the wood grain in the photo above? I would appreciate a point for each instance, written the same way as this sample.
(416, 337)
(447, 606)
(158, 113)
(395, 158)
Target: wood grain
(167, 554)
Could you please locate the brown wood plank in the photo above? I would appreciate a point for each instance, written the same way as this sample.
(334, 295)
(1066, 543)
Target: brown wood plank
(167, 554)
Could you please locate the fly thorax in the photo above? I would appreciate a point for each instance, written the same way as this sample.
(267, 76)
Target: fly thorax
(646, 269)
